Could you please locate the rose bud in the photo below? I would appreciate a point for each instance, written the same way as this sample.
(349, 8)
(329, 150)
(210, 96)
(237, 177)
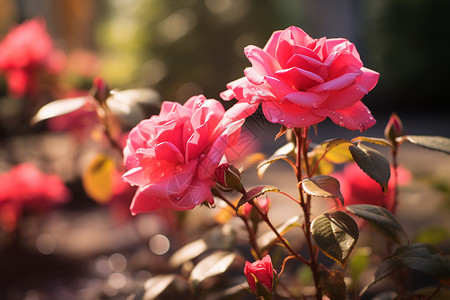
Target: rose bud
(394, 128)
(229, 176)
(100, 90)
(261, 276)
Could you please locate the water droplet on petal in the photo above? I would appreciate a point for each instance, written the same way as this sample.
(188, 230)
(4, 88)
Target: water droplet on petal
(213, 205)
(341, 117)
(315, 105)
(178, 169)
(274, 119)
(282, 121)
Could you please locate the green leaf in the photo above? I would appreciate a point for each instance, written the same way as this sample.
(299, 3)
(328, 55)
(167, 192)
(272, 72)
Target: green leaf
(332, 283)
(262, 166)
(386, 268)
(156, 285)
(255, 193)
(59, 107)
(269, 238)
(373, 140)
(323, 186)
(437, 143)
(213, 265)
(424, 258)
(373, 163)
(335, 233)
(380, 218)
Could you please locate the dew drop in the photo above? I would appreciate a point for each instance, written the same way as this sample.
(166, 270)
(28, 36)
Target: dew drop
(178, 169)
(213, 205)
(341, 123)
(341, 117)
(202, 156)
(303, 119)
(315, 105)
(282, 121)
(274, 119)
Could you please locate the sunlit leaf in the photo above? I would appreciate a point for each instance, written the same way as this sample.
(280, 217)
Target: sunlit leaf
(269, 238)
(250, 160)
(255, 193)
(373, 163)
(213, 265)
(188, 252)
(323, 186)
(156, 285)
(332, 283)
(437, 143)
(335, 233)
(373, 140)
(262, 166)
(330, 144)
(98, 178)
(386, 268)
(59, 107)
(380, 218)
(425, 258)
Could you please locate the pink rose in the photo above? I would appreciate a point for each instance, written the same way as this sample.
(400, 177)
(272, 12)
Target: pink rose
(262, 202)
(261, 271)
(172, 157)
(358, 188)
(300, 81)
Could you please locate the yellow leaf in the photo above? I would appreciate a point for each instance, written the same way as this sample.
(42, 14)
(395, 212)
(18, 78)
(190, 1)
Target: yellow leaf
(98, 178)
(339, 154)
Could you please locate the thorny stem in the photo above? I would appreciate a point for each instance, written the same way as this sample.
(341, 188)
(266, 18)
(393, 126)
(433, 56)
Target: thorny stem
(301, 135)
(251, 233)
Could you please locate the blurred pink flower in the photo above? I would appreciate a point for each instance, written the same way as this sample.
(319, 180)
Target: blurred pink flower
(26, 55)
(25, 188)
(358, 188)
(261, 271)
(262, 202)
(172, 157)
(300, 81)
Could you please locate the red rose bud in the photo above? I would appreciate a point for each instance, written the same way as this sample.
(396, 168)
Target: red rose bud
(229, 176)
(394, 128)
(261, 272)
(100, 90)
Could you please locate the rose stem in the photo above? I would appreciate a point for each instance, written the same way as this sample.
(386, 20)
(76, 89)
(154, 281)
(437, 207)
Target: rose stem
(301, 135)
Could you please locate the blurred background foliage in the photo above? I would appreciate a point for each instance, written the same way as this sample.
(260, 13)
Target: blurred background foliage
(182, 48)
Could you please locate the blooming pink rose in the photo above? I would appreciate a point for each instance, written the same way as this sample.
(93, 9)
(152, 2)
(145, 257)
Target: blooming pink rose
(25, 187)
(26, 54)
(300, 81)
(172, 157)
(262, 270)
(358, 188)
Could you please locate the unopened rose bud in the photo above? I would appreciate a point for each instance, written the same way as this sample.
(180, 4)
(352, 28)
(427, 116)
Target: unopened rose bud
(261, 277)
(229, 177)
(100, 90)
(394, 128)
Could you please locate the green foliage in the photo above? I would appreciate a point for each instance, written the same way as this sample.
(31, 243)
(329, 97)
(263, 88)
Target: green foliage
(436, 143)
(335, 233)
(380, 218)
(323, 186)
(373, 163)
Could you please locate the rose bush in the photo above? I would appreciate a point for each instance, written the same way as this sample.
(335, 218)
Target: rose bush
(301, 81)
(261, 271)
(172, 157)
